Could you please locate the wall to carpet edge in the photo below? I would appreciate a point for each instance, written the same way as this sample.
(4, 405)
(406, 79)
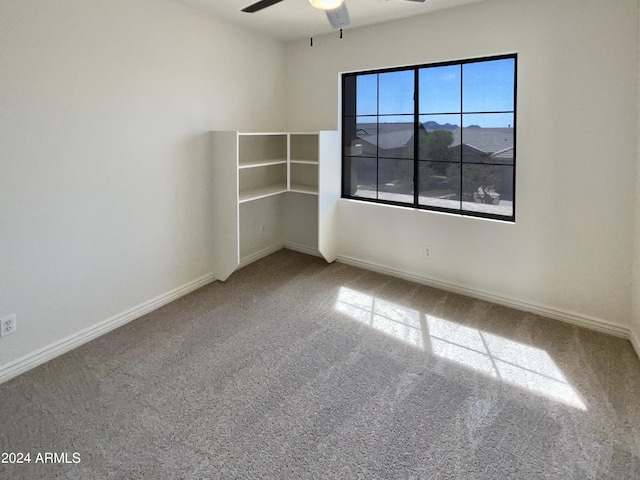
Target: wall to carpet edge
(105, 177)
(581, 320)
(572, 242)
(63, 345)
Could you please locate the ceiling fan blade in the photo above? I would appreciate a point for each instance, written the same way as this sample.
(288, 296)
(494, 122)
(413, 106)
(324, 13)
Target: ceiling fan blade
(339, 17)
(254, 7)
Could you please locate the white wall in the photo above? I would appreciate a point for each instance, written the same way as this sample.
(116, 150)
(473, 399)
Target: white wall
(301, 221)
(105, 196)
(261, 226)
(571, 246)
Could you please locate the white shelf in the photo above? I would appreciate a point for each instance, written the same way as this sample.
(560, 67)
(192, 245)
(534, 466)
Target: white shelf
(262, 192)
(308, 189)
(262, 163)
(304, 162)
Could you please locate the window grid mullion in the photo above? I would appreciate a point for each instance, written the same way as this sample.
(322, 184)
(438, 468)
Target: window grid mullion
(461, 130)
(416, 140)
(378, 136)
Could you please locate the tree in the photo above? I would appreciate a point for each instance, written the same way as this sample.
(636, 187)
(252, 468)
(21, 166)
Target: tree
(477, 178)
(433, 147)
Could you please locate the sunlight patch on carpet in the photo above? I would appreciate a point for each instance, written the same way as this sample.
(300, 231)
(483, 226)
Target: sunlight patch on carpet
(505, 360)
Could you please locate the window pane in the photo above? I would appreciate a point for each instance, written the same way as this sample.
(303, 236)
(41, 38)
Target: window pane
(439, 184)
(486, 138)
(450, 147)
(396, 92)
(487, 189)
(360, 177)
(367, 94)
(439, 89)
(487, 120)
(360, 137)
(395, 180)
(488, 86)
(437, 137)
(441, 122)
(395, 139)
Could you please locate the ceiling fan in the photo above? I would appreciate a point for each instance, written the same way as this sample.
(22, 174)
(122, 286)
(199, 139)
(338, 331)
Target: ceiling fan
(336, 10)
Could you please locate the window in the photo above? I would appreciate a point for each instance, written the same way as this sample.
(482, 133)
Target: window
(435, 137)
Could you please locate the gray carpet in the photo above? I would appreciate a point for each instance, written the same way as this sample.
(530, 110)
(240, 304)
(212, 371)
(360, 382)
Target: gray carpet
(296, 369)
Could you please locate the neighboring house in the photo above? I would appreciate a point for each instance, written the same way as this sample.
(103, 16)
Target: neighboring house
(386, 140)
(504, 157)
(395, 141)
(488, 146)
(485, 145)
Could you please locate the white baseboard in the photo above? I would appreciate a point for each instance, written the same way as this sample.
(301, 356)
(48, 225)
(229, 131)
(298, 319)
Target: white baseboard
(573, 318)
(302, 249)
(274, 248)
(261, 254)
(42, 355)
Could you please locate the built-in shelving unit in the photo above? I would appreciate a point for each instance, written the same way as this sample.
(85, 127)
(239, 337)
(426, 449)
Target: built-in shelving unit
(262, 165)
(251, 167)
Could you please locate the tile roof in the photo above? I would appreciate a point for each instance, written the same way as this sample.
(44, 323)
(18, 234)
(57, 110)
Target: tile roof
(497, 141)
(488, 140)
(505, 154)
(388, 135)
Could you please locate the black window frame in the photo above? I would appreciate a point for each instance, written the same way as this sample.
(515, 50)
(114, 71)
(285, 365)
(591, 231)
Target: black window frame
(416, 125)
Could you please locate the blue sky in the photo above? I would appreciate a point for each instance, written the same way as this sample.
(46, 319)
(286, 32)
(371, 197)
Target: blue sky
(487, 87)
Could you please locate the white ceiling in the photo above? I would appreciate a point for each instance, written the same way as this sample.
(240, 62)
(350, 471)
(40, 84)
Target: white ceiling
(294, 19)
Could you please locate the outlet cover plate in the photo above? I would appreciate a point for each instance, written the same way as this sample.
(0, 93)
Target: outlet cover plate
(8, 325)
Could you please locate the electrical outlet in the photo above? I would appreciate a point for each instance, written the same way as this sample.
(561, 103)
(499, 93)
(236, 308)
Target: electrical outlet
(8, 325)
(427, 251)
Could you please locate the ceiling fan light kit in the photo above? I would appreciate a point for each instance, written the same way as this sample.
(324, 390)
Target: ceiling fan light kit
(336, 10)
(325, 4)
